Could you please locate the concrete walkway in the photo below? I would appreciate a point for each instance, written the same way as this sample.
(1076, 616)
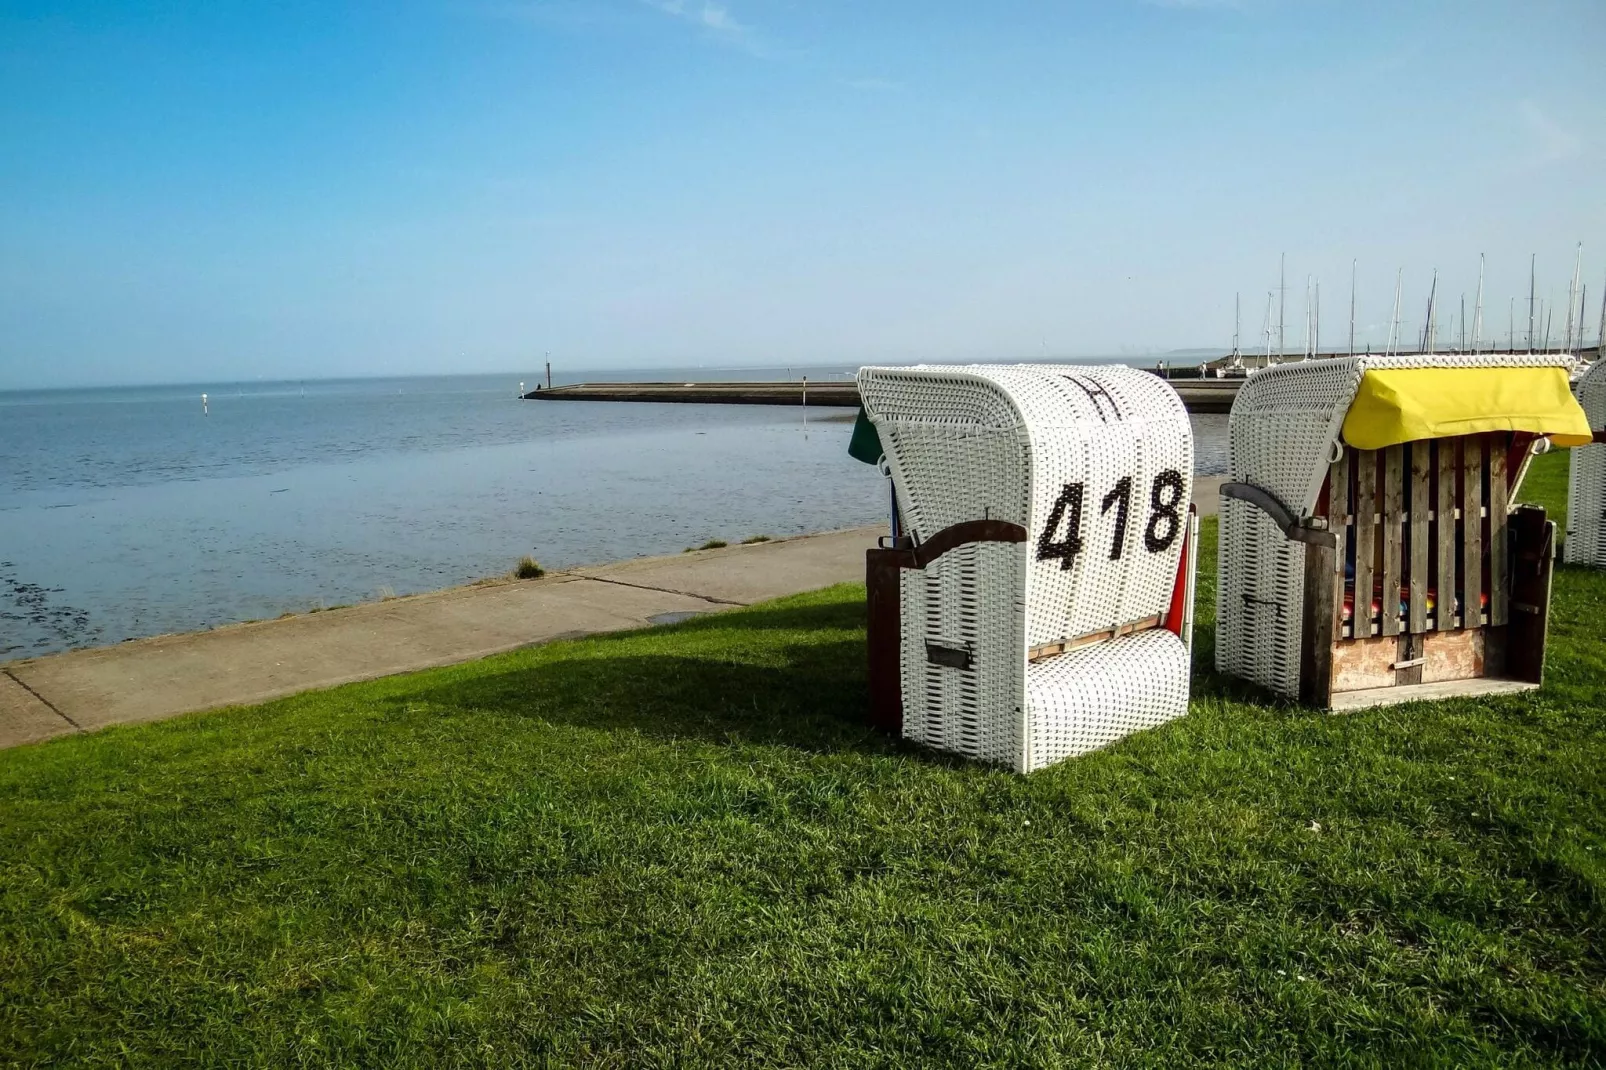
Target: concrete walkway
(150, 679)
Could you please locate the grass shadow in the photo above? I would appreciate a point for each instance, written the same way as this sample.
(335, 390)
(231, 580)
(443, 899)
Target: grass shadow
(710, 679)
(845, 613)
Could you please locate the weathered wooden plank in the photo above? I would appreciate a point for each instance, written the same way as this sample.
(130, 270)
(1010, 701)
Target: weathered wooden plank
(883, 580)
(1340, 523)
(1444, 533)
(1362, 664)
(1384, 696)
(1471, 532)
(1421, 504)
(1534, 540)
(1316, 653)
(1499, 507)
(1454, 656)
(1393, 534)
(1365, 538)
(1409, 652)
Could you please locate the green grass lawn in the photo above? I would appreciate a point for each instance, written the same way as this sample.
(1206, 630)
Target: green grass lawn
(682, 847)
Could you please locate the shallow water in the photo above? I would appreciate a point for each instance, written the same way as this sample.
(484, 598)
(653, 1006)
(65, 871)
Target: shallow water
(127, 513)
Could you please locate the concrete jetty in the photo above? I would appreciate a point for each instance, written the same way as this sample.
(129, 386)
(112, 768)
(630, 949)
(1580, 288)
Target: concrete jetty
(1199, 395)
(838, 393)
(240, 664)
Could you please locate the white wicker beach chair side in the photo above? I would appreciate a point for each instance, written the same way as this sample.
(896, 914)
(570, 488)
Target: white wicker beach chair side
(1284, 434)
(1093, 466)
(1280, 435)
(1586, 483)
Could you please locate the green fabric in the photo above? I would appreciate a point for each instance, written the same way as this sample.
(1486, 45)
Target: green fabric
(866, 444)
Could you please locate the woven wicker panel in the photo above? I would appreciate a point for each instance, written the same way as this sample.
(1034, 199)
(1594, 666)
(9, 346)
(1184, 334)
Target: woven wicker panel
(1284, 423)
(1258, 608)
(1094, 695)
(966, 600)
(1586, 484)
(1012, 442)
(1130, 450)
(955, 443)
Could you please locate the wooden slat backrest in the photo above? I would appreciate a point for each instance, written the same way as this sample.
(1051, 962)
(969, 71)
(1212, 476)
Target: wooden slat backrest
(1340, 521)
(1444, 450)
(1430, 533)
(1471, 532)
(1421, 549)
(1393, 513)
(1499, 508)
(1414, 517)
(1365, 538)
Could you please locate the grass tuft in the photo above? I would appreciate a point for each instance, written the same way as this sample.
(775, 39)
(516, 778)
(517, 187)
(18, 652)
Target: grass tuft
(528, 568)
(711, 544)
(751, 539)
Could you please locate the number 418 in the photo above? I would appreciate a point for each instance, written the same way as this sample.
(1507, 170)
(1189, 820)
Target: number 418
(1165, 518)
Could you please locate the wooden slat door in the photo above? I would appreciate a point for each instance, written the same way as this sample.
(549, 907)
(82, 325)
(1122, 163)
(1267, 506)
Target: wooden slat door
(1426, 526)
(1393, 516)
(1365, 539)
(1472, 532)
(1447, 465)
(1499, 513)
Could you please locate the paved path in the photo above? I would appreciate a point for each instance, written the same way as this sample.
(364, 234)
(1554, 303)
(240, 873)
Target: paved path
(149, 679)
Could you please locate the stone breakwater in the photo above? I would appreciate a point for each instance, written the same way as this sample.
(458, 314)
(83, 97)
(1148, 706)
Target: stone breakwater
(1199, 395)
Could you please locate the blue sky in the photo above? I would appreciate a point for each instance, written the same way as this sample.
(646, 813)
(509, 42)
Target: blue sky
(226, 190)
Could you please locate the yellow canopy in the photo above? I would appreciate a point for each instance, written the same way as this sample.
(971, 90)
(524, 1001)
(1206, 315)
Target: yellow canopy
(1395, 405)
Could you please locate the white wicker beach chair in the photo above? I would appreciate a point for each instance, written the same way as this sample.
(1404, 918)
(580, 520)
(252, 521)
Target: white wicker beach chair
(1038, 603)
(1348, 576)
(1586, 484)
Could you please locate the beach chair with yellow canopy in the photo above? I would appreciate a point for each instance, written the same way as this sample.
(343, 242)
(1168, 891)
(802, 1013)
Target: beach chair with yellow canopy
(1370, 551)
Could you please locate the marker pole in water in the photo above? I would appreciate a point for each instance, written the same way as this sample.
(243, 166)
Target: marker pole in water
(203, 406)
(805, 401)
(521, 390)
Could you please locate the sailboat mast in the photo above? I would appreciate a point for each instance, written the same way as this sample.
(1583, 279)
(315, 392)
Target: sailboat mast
(1237, 319)
(1578, 343)
(1266, 327)
(1307, 317)
(1572, 294)
(1352, 308)
(1394, 321)
(1282, 301)
(1600, 336)
(1428, 338)
(1316, 328)
(1532, 257)
(1477, 310)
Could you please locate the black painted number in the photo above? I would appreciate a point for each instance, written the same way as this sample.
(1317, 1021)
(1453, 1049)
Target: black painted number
(1121, 498)
(1069, 501)
(1165, 518)
(1165, 512)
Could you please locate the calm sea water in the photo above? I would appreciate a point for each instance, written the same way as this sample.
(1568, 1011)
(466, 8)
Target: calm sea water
(127, 512)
